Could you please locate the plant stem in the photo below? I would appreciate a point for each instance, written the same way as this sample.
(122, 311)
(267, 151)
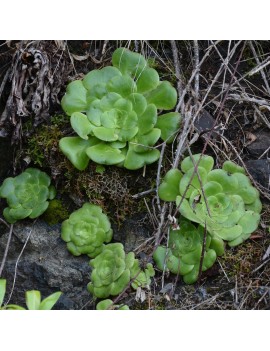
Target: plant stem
(6, 250)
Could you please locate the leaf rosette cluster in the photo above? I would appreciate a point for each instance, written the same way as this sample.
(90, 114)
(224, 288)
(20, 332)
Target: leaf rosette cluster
(86, 231)
(27, 194)
(32, 299)
(109, 305)
(222, 199)
(113, 270)
(141, 278)
(184, 252)
(114, 112)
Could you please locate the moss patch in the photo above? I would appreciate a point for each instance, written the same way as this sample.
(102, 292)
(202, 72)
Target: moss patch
(55, 213)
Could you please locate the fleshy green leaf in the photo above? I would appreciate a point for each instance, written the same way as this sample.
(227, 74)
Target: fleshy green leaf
(39, 209)
(139, 103)
(128, 62)
(7, 187)
(217, 244)
(75, 150)
(230, 233)
(136, 160)
(108, 101)
(209, 259)
(105, 154)
(143, 143)
(229, 183)
(123, 86)
(232, 167)
(80, 124)
(169, 124)
(105, 305)
(13, 307)
(8, 216)
(19, 213)
(159, 257)
(148, 119)
(50, 301)
(249, 222)
(52, 192)
(164, 96)
(245, 189)
(147, 80)
(102, 76)
(75, 98)
(33, 299)
(206, 162)
(169, 188)
(105, 134)
(192, 276)
(255, 206)
(192, 183)
(94, 114)
(2, 290)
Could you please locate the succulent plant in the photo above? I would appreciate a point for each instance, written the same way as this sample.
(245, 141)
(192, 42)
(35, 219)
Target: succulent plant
(27, 194)
(223, 199)
(185, 248)
(111, 271)
(33, 299)
(109, 305)
(141, 278)
(86, 231)
(114, 112)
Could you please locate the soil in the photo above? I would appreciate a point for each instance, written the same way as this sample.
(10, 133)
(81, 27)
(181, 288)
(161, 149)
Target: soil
(29, 135)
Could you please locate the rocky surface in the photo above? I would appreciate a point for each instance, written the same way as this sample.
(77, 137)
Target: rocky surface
(260, 171)
(260, 145)
(6, 158)
(46, 264)
(132, 233)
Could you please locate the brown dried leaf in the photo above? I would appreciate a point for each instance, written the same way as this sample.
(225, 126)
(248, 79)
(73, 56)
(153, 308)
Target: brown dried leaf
(250, 138)
(140, 295)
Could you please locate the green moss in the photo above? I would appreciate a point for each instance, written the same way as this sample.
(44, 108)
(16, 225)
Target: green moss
(55, 213)
(41, 146)
(240, 261)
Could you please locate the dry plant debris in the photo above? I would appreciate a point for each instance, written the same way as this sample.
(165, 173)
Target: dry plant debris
(228, 81)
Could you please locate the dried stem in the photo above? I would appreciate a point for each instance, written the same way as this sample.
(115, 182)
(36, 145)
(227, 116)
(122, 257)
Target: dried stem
(203, 252)
(6, 250)
(197, 69)
(260, 67)
(17, 262)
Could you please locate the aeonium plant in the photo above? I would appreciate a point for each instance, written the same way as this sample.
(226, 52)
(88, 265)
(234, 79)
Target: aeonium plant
(86, 230)
(109, 305)
(115, 112)
(32, 299)
(27, 194)
(185, 254)
(222, 199)
(113, 270)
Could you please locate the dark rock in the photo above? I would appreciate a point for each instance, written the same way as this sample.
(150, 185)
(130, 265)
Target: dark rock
(260, 171)
(204, 124)
(260, 145)
(6, 158)
(132, 233)
(45, 265)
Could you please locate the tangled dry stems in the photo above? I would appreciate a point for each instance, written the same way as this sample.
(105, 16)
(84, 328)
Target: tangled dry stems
(229, 80)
